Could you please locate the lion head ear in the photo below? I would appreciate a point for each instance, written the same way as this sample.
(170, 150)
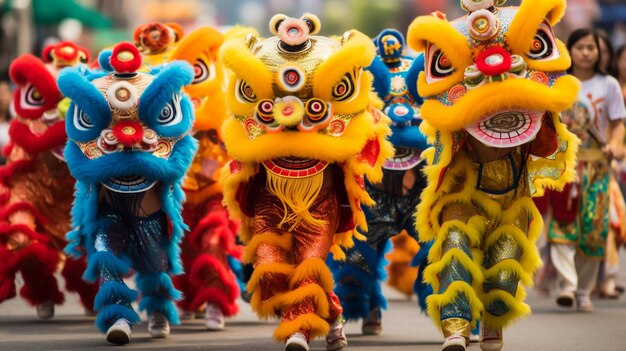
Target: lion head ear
(275, 23)
(313, 22)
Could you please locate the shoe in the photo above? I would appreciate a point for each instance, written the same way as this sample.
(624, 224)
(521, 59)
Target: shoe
(373, 324)
(565, 299)
(454, 342)
(490, 340)
(213, 317)
(45, 310)
(119, 332)
(297, 342)
(158, 325)
(336, 338)
(584, 304)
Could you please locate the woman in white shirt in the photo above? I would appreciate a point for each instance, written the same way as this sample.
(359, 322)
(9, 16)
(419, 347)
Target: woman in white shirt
(578, 241)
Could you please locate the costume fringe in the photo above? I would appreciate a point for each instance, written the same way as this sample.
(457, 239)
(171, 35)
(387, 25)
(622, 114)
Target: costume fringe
(297, 196)
(314, 324)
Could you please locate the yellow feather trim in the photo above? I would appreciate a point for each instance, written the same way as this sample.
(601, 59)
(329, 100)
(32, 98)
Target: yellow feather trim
(513, 266)
(313, 291)
(312, 323)
(313, 268)
(518, 309)
(267, 309)
(474, 230)
(284, 241)
(436, 301)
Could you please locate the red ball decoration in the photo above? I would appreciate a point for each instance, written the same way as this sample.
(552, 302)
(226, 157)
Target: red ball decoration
(125, 58)
(493, 61)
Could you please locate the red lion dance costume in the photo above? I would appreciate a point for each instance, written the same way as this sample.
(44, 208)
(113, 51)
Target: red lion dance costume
(303, 134)
(210, 245)
(36, 187)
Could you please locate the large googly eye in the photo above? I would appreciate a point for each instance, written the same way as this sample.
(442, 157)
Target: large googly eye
(244, 92)
(313, 22)
(438, 65)
(81, 120)
(344, 89)
(543, 46)
(275, 22)
(31, 98)
(317, 115)
(171, 113)
(291, 78)
(83, 57)
(202, 71)
(265, 111)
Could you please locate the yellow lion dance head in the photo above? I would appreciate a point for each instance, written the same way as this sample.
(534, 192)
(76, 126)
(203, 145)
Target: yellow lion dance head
(301, 103)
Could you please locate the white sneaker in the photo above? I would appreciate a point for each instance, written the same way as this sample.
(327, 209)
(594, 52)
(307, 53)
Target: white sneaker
(336, 338)
(490, 340)
(373, 324)
(45, 310)
(297, 342)
(158, 326)
(454, 342)
(119, 332)
(213, 317)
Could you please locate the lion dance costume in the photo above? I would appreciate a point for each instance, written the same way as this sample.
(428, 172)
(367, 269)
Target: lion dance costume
(129, 149)
(36, 186)
(358, 278)
(494, 84)
(209, 249)
(302, 136)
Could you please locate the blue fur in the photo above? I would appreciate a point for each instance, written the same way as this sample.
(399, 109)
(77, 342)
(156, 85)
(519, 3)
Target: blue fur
(157, 283)
(87, 97)
(380, 46)
(160, 304)
(237, 269)
(112, 291)
(168, 82)
(363, 293)
(106, 259)
(110, 313)
(104, 60)
(126, 163)
(412, 76)
(382, 80)
(408, 137)
(422, 290)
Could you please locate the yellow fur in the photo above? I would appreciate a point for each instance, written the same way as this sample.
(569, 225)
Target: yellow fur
(313, 268)
(529, 16)
(309, 291)
(473, 266)
(284, 241)
(313, 323)
(518, 308)
(268, 268)
(436, 301)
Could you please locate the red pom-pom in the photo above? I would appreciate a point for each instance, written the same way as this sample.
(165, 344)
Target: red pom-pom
(493, 61)
(125, 58)
(128, 133)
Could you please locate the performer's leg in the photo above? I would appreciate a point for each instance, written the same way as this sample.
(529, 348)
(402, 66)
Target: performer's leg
(562, 256)
(455, 273)
(587, 269)
(311, 304)
(38, 263)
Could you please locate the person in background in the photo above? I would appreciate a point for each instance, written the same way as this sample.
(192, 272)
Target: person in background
(620, 69)
(578, 246)
(607, 52)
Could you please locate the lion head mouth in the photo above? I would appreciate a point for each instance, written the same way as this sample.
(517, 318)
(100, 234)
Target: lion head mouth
(129, 184)
(507, 128)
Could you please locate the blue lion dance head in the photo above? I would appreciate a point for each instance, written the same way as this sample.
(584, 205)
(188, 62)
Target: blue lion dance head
(395, 82)
(128, 131)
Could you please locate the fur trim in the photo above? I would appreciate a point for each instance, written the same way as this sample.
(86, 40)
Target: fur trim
(284, 241)
(479, 102)
(204, 290)
(518, 309)
(111, 313)
(312, 323)
(162, 305)
(157, 283)
(436, 301)
(28, 69)
(529, 16)
(215, 296)
(113, 291)
(22, 136)
(104, 259)
(268, 268)
(312, 268)
(431, 273)
(38, 263)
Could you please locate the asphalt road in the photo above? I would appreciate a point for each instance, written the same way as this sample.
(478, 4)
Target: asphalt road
(405, 328)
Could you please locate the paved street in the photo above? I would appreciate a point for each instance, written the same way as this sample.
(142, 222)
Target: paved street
(549, 328)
